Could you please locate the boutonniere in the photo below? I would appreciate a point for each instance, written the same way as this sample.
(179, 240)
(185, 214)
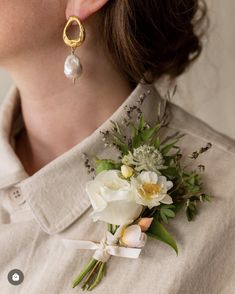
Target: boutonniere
(140, 191)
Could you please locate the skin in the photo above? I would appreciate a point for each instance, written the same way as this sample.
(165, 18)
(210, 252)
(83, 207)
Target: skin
(53, 108)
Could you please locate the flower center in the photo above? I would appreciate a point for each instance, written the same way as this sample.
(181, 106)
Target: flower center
(149, 190)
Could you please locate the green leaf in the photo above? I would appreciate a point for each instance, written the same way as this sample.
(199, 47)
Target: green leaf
(189, 214)
(167, 205)
(136, 141)
(192, 207)
(192, 181)
(206, 197)
(141, 135)
(134, 129)
(163, 216)
(106, 164)
(194, 189)
(191, 211)
(120, 143)
(116, 127)
(178, 207)
(168, 160)
(141, 123)
(168, 212)
(147, 134)
(157, 143)
(170, 172)
(168, 147)
(158, 231)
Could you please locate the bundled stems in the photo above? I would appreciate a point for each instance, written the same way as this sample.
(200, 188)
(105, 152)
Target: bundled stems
(93, 271)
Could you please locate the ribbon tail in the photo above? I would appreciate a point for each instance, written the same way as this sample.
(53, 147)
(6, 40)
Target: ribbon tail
(80, 244)
(124, 251)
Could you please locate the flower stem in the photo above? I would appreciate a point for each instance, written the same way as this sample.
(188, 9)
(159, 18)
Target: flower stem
(98, 277)
(84, 272)
(90, 275)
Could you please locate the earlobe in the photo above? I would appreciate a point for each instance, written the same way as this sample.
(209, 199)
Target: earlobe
(83, 8)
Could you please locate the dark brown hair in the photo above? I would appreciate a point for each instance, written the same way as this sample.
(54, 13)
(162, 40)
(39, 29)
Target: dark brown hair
(156, 37)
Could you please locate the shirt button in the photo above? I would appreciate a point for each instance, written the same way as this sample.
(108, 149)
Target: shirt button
(16, 195)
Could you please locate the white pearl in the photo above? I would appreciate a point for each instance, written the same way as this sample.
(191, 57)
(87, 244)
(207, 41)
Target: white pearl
(72, 67)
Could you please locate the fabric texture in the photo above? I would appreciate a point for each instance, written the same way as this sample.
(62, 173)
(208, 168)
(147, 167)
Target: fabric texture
(38, 211)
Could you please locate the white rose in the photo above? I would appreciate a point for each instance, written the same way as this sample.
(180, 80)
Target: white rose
(112, 198)
(150, 189)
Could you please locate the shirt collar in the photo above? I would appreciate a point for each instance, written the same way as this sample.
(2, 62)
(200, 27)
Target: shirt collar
(55, 193)
(11, 169)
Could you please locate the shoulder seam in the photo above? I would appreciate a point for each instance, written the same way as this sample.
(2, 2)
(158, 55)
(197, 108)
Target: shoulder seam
(211, 134)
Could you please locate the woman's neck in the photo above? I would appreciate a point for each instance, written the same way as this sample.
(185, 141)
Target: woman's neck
(58, 114)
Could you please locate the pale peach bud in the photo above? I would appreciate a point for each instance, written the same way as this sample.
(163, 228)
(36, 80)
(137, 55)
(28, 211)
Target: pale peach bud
(127, 171)
(145, 223)
(133, 237)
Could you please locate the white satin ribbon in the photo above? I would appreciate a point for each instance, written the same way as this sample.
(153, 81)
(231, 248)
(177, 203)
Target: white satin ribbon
(105, 248)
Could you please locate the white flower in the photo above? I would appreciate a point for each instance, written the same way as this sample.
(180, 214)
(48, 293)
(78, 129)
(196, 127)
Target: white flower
(112, 198)
(151, 189)
(146, 158)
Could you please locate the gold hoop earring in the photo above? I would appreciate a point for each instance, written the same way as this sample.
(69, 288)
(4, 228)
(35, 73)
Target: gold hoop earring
(72, 66)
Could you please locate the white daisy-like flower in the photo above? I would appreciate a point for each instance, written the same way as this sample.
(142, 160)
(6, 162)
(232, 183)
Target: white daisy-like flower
(150, 189)
(146, 158)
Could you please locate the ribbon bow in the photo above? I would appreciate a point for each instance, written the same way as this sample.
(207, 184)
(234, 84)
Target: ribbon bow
(105, 248)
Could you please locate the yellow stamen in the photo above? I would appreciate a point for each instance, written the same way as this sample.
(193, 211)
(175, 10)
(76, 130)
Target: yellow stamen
(149, 190)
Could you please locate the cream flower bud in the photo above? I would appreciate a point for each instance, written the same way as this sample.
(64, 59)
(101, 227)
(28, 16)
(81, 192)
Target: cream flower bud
(133, 237)
(126, 171)
(145, 223)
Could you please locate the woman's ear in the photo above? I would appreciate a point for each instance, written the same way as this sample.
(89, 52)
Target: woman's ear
(83, 8)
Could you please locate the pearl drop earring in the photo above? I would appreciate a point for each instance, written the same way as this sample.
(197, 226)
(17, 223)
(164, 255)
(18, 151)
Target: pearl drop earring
(72, 66)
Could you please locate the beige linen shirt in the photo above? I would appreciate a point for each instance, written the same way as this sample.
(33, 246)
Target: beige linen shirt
(38, 211)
